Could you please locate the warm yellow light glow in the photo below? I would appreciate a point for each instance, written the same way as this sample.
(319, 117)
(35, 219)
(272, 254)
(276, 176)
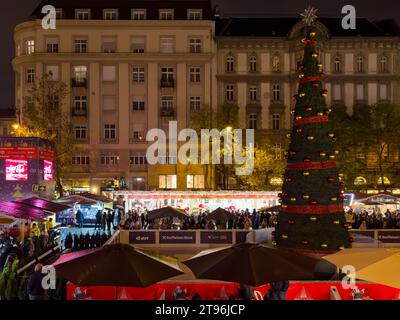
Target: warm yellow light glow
(15, 126)
(229, 129)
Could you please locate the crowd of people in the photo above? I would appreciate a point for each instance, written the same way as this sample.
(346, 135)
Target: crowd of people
(246, 219)
(87, 241)
(373, 220)
(242, 219)
(38, 237)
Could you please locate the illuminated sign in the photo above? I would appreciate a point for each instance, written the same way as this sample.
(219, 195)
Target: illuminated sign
(47, 170)
(16, 170)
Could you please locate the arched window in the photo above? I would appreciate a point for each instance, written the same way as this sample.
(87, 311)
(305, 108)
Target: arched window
(253, 63)
(360, 63)
(276, 63)
(230, 63)
(337, 65)
(360, 181)
(383, 64)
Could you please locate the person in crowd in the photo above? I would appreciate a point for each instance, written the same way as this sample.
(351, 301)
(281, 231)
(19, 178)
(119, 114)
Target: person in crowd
(79, 218)
(68, 243)
(35, 287)
(35, 231)
(277, 290)
(104, 220)
(76, 242)
(245, 292)
(109, 221)
(98, 220)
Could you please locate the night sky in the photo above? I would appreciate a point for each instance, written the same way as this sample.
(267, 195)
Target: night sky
(15, 11)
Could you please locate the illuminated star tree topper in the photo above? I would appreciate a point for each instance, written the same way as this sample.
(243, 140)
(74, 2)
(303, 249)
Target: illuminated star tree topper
(309, 15)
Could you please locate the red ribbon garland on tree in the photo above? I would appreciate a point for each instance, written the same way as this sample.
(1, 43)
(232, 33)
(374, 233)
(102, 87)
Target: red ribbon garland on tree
(310, 79)
(315, 209)
(311, 165)
(302, 121)
(310, 42)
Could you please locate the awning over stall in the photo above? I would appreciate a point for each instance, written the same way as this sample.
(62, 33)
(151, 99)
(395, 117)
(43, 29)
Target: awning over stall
(75, 199)
(21, 211)
(96, 197)
(44, 204)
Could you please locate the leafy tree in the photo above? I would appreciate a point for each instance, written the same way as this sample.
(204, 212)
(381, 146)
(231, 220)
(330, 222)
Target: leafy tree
(266, 166)
(44, 117)
(367, 143)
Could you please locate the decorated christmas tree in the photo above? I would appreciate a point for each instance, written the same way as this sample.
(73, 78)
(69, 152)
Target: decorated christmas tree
(311, 218)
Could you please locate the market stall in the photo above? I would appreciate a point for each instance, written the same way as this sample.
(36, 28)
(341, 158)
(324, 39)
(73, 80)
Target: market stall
(378, 203)
(194, 202)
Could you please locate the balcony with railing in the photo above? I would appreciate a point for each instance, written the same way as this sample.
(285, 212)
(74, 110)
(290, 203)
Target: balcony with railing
(79, 82)
(167, 82)
(167, 112)
(78, 112)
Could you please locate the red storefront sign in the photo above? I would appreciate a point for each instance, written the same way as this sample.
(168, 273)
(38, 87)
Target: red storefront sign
(19, 152)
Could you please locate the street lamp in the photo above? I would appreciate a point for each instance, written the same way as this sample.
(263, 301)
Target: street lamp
(15, 126)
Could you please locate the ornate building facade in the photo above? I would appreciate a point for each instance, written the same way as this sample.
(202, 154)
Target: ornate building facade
(134, 67)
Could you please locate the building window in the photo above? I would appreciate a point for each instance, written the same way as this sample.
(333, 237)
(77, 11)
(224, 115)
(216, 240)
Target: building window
(110, 14)
(138, 74)
(253, 93)
(166, 14)
(80, 73)
(195, 45)
(138, 45)
(80, 103)
(80, 160)
(109, 102)
(30, 75)
(59, 14)
(109, 73)
(253, 63)
(337, 65)
(109, 159)
(138, 135)
(52, 45)
(167, 181)
(53, 101)
(230, 92)
(53, 72)
(18, 50)
(138, 103)
(195, 103)
(167, 74)
(80, 46)
(195, 74)
(30, 46)
(167, 105)
(167, 44)
(360, 63)
(253, 121)
(383, 62)
(194, 14)
(337, 92)
(109, 45)
(138, 14)
(276, 64)
(110, 132)
(80, 132)
(82, 14)
(276, 122)
(383, 91)
(360, 92)
(195, 181)
(138, 159)
(229, 63)
(276, 92)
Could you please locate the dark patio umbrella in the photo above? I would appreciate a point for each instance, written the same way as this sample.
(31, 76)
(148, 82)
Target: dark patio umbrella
(252, 264)
(115, 265)
(166, 212)
(220, 214)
